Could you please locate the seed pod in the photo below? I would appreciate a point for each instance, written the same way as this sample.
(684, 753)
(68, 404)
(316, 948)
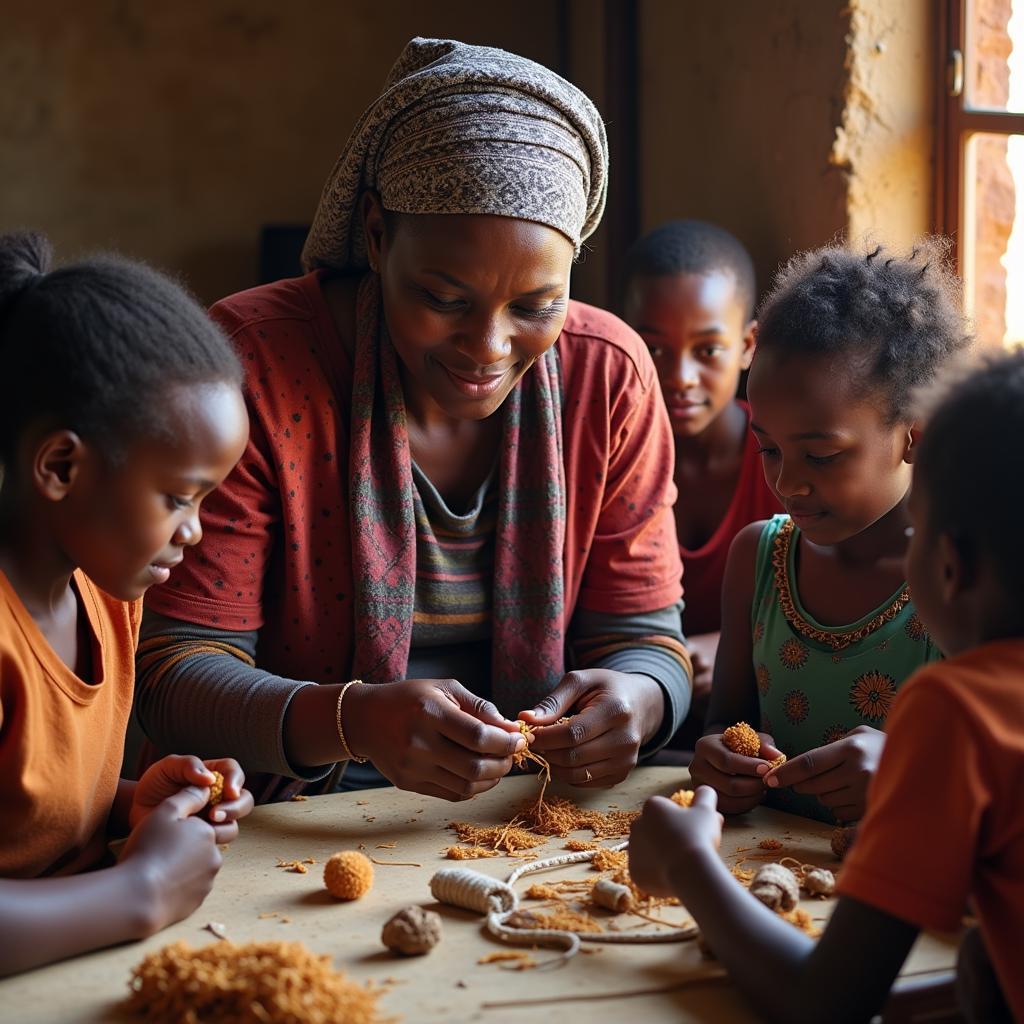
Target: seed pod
(412, 931)
(348, 875)
(842, 840)
(819, 882)
(216, 789)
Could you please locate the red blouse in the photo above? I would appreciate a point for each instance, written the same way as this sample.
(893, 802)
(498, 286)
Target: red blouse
(276, 553)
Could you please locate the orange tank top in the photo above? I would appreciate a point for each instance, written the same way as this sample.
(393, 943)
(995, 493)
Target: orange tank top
(61, 739)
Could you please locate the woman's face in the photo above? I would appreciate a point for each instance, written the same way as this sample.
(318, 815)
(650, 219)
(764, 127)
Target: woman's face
(471, 301)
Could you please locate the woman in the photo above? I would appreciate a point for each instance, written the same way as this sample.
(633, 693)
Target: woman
(457, 478)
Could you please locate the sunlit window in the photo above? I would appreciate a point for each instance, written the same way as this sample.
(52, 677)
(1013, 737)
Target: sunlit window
(983, 183)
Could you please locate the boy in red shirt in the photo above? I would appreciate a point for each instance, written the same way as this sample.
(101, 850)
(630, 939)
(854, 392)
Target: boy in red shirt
(689, 292)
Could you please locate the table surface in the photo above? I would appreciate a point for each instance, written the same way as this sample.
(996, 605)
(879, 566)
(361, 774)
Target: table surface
(448, 984)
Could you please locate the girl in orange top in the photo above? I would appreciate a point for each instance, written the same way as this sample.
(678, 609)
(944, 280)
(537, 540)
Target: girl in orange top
(120, 410)
(945, 810)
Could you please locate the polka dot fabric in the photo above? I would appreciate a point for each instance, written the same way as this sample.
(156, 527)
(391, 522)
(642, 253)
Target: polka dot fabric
(277, 551)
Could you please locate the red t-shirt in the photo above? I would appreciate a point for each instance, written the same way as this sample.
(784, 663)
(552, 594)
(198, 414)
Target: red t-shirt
(276, 552)
(945, 818)
(704, 568)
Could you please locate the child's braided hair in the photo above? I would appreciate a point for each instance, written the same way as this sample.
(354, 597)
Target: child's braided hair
(94, 346)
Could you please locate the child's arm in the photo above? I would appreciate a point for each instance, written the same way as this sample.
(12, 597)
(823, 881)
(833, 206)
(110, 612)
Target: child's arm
(845, 976)
(166, 869)
(734, 690)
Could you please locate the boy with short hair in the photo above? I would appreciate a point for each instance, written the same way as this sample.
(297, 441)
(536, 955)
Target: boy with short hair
(689, 291)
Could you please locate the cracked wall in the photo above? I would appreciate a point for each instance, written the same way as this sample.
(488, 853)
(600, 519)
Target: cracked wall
(173, 133)
(884, 142)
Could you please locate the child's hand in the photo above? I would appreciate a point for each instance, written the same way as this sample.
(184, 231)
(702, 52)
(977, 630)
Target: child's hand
(837, 773)
(173, 773)
(735, 778)
(665, 833)
(175, 856)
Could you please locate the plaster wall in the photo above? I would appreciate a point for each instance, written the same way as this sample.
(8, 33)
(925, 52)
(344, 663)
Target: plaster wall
(173, 132)
(789, 123)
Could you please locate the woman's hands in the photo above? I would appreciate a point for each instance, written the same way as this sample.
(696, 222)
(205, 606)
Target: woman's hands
(613, 715)
(665, 834)
(837, 773)
(738, 780)
(431, 736)
(172, 774)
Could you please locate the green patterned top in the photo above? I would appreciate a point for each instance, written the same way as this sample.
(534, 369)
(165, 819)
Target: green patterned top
(815, 683)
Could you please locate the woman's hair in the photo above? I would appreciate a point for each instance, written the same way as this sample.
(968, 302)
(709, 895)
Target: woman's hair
(95, 346)
(895, 317)
(970, 464)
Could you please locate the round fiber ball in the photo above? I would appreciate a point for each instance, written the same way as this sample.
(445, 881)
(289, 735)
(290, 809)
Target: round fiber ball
(412, 931)
(742, 739)
(216, 789)
(348, 875)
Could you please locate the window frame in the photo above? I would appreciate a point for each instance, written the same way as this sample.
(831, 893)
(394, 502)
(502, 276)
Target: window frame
(957, 122)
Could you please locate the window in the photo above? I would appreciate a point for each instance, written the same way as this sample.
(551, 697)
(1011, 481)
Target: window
(981, 166)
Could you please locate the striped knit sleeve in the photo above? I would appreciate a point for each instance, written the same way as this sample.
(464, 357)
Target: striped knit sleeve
(198, 689)
(646, 643)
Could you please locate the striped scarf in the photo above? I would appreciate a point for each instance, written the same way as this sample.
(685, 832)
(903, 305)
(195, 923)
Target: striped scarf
(528, 631)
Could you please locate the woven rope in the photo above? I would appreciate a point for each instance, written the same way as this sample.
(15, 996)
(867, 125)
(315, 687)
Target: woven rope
(471, 890)
(462, 887)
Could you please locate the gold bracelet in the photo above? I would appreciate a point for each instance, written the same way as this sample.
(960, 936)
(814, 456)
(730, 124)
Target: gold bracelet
(345, 748)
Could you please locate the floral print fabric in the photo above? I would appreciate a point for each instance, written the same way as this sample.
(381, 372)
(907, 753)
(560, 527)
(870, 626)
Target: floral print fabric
(814, 688)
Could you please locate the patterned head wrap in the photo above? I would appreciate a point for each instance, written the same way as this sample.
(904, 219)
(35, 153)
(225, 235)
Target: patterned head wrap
(466, 129)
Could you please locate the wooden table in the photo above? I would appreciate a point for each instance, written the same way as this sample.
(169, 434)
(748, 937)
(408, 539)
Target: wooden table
(448, 984)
